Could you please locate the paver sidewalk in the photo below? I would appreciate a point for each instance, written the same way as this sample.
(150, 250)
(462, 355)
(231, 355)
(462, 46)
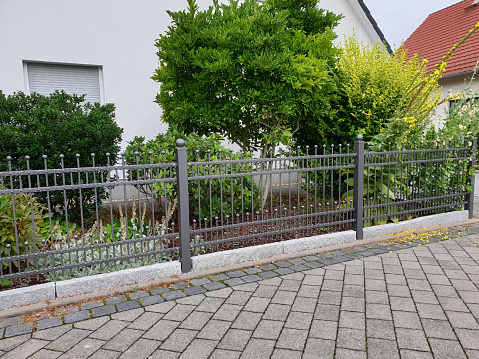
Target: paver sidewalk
(417, 302)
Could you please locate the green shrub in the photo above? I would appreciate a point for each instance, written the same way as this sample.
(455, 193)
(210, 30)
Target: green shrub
(218, 197)
(29, 222)
(59, 124)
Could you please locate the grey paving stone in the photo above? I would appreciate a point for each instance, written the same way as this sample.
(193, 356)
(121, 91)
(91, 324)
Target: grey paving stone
(430, 311)
(224, 354)
(174, 295)
(91, 305)
(251, 278)
(381, 348)
(219, 277)
(462, 320)
(214, 285)
(76, 317)
(8, 344)
(48, 323)
(210, 304)
(283, 264)
(105, 354)
(92, 324)
(159, 290)
(283, 297)
(46, 354)
(123, 340)
(115, 299)
(51, 333)
(298, 267)
(227, 312)
(446, 349)
(234, 281)
(246, 320)
(194, 290)
(286, 354)
(468, 338)
(152, 299)
(257, 304)
(128, 315)
(100, 311)
(179, 340)
(196, 320)
(378, 311)
(199, 349)
(236, 274)
(200, 281)
(402, 304)
(268, 274)
(377, 297)
(109, 330)
(214, 330)
(299, 320)
(11, 321)
(161, 330)
(145, 321)
(412, 354)
(356, 291)
(277, 312)
(283, 271)
(453, 304)
(18, 330)
(61, 311)
(138, 295)
(329, 297)
(424, 297)
(129, 305)
(239, 298)
(379, 329)
(354, 339)
(235, 339)
(176, 286)
(26, 349)
(83, 349)
(258, 348)
(352, 319)
(411, 339)
(268, 329)
(327, 312)
(313, 265)
(68, 340)
(323, 329)
(315, 347)
(294, 339)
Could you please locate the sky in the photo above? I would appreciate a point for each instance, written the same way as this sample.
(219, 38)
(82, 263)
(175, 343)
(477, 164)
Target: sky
(398, 19)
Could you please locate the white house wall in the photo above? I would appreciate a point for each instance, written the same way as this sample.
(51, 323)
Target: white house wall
(354, 21)
(117, 35)
(453, 85)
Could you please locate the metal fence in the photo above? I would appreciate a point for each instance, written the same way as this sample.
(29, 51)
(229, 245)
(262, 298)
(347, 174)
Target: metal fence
(64, 222)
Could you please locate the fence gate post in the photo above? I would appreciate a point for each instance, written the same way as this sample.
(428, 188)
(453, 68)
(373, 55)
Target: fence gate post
(183, 205)
(470, 196)
(358, 186)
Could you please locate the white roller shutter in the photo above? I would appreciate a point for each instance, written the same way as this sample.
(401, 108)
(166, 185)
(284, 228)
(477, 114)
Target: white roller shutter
(45, 78)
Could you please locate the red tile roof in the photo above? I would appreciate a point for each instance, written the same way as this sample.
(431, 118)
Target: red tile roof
(441, 30)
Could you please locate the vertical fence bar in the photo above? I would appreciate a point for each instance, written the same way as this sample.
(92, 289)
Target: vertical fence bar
(358, 186)
(470, 195)
(183, 205)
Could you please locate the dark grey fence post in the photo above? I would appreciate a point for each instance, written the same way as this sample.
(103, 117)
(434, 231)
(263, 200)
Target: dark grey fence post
(470, 196)
(358, 186)
(183, 206)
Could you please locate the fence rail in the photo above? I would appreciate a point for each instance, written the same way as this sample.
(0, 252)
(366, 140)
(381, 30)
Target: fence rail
(62, 222)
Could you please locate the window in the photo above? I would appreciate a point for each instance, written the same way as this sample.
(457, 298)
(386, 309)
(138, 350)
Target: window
(453, 104)
(44, 78)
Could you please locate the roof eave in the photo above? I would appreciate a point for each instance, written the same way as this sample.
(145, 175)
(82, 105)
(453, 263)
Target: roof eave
(375, 25)
(459, 74)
